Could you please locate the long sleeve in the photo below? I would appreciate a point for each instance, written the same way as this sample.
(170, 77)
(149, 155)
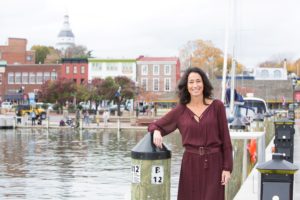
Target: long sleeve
(225, 136)
(168, 123)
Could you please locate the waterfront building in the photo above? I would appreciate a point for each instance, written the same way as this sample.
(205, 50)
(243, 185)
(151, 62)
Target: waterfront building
(18, 81)
(158, 77)
(15, 52)
(270, 73)
(65, 37)
(75, 69)
(103, 68)
(158, 74)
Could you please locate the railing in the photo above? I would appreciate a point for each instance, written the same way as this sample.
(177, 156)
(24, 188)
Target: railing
(240, 172)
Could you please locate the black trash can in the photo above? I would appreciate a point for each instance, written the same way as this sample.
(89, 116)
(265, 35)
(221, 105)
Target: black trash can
(277, 176)
(284, 138)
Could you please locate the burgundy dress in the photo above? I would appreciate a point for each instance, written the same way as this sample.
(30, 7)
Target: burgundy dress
(200, 175)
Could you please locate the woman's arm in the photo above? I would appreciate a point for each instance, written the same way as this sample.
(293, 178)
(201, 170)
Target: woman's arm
(165, 125)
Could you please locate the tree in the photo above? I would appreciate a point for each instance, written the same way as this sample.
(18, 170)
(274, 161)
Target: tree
(108, 89)
(96, 92)
(54, 56)
(77, 51)
(41, 53)
(127, 89)
(82, 93)
(59, 91)
(205, 55)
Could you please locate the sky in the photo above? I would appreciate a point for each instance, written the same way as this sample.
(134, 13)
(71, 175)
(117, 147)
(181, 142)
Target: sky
(259, 30)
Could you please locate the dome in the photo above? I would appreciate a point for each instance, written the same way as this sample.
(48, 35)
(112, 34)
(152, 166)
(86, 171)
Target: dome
(64, 33)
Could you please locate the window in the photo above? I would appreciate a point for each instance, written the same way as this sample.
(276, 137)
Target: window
(167, 69)
(29, 58)
(32, 78)
(11, 78)
(53, 76)
(144, 69)
(67, 69)
(46, 76)
(111, 67)
(75, 70)
(127, 68)
(96, 66)
(167, 84)
(82, 69)
(39, 77)
(155, 69)
(18, 77)
(145, 84)
(277, 74)
(264, 73)
(25, 77)
(155, 84)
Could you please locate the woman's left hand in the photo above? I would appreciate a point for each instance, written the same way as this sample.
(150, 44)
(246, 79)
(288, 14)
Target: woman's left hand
(225, 177)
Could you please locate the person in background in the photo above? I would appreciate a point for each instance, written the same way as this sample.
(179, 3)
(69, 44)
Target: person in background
(86, 117)
(33, 117)
(97, 117)
(207, 160)
(105, 117)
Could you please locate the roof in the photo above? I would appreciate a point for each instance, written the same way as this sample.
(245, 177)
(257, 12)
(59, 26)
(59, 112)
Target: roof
(111, 60)
(157, 59)
(74, 60)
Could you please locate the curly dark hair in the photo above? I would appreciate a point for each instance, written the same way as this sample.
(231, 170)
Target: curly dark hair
(183, 93)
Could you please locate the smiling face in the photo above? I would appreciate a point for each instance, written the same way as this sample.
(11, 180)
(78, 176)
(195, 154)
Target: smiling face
(195, 84)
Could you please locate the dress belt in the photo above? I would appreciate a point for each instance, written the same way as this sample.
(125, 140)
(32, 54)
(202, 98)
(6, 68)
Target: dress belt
(202, 150)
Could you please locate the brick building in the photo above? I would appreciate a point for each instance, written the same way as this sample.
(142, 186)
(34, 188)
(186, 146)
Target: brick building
(158, 76)
(15, 52)
(75, 69)
(18, 81)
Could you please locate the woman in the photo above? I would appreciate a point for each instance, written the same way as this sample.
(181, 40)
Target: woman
(201, 120)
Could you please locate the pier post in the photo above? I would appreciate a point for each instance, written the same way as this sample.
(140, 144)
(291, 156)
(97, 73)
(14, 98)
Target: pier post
(151, 169)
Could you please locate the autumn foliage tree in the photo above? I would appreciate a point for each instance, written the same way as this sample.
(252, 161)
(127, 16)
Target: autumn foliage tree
(205, 55)
(58, 91)
(127, 89)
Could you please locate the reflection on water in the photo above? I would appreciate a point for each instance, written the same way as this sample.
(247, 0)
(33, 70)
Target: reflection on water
(65, 164)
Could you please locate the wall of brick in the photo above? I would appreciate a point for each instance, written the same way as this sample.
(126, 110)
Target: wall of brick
(6, 88)
(15, 52)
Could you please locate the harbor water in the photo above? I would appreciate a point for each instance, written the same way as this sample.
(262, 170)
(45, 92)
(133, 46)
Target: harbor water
(67, 164)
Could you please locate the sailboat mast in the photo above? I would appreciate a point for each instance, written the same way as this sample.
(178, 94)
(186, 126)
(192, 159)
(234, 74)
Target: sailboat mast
(225, 51)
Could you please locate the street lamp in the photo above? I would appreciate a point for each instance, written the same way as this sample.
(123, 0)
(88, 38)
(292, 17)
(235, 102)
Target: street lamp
(294, 82)
(136, 98)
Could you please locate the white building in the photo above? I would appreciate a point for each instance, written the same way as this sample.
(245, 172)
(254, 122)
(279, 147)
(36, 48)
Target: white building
(65, 37)
(102, 68)
(266, 73)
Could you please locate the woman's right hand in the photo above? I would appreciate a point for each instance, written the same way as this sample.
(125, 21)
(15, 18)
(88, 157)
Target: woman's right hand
(157, 139)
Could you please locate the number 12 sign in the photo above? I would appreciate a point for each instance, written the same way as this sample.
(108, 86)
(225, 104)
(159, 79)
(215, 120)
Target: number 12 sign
(157, 175)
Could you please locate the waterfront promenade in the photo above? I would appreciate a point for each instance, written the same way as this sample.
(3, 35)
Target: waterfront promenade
(126, 121)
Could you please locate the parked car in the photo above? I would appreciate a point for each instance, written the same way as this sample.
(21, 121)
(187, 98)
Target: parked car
(46, 106)
(115, 108)
(84, 105)
(6, 105)
(26, 109)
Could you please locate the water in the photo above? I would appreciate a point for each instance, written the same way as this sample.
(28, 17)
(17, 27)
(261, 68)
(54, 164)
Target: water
(36, 164)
